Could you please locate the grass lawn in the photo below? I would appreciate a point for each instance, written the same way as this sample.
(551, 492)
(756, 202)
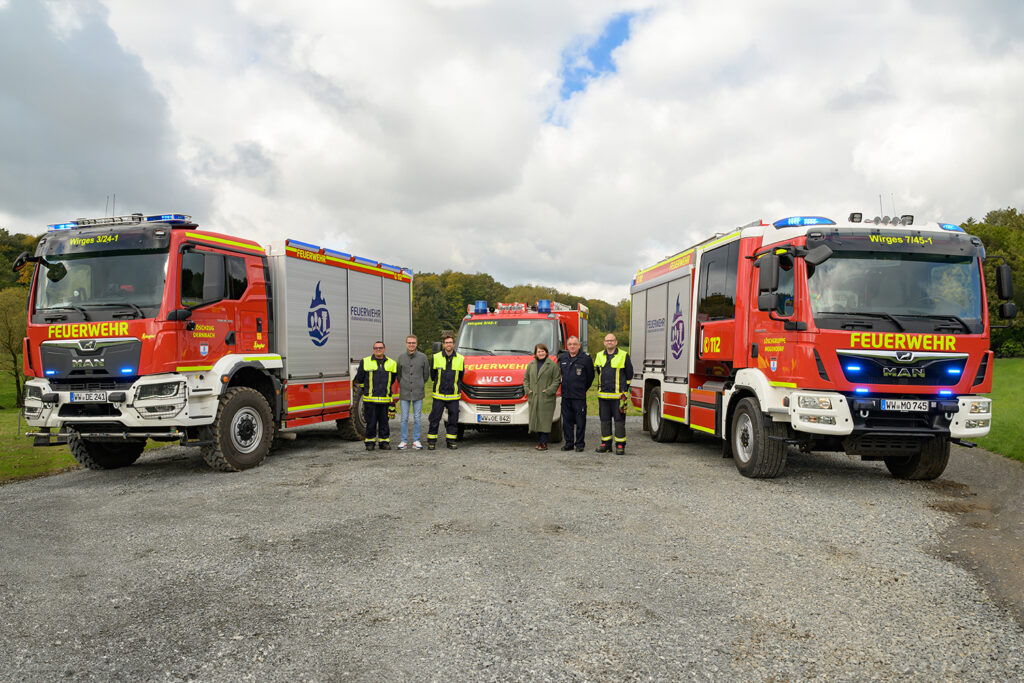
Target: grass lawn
(1007, 435)
(19, 459)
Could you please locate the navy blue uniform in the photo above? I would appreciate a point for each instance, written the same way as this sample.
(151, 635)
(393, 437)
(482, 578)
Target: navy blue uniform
(577, 376)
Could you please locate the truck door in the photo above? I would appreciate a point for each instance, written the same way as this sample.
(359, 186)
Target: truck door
(203, 290)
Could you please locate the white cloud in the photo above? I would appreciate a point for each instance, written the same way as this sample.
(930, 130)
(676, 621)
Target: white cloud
(415, 132)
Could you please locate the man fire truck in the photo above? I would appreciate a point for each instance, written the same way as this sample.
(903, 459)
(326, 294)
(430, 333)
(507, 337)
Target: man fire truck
(498, 345)
(145, 327)
(869, 337)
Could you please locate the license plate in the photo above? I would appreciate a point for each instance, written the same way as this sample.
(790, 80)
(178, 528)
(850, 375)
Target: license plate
(500, 418)
(88, 396)
(905, 405)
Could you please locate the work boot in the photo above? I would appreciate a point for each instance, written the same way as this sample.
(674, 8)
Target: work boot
(620, 449)
(567, 447)
(579, 449)
(603, 448)
(385, 446)
(370, 445)
(430, 445)
(452, 445)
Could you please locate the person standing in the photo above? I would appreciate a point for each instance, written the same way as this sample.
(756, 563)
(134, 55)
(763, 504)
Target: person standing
(614, 371)
(375, 376)
(577, 369)
(413, 373)
(446, 375)
(540, 383)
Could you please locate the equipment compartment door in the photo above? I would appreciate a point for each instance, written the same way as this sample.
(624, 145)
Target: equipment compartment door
(366, 316)
(677, 364)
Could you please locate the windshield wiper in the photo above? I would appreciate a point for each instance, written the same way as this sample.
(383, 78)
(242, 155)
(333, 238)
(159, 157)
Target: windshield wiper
(884, 316)
(470, 348)
(123, 304)
(959, 321)
(69, 307)
(515, 351)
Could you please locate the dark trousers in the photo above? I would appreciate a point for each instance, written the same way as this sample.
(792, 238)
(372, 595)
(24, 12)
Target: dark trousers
(574, 421)
(609, 410)
(377, 427)
(434, 421)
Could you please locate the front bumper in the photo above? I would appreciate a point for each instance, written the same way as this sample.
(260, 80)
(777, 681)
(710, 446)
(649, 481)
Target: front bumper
(498, 414)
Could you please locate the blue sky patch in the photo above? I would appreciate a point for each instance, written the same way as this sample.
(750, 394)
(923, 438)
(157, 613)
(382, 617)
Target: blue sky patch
(582, 63)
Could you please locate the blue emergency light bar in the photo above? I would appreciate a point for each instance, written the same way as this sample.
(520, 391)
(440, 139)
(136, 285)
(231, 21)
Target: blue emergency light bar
(800, 221)
(302, 245)
(169, 218)
(480, 306)
(951, 227)
(544, 306)
(337, 254)
(130, 219)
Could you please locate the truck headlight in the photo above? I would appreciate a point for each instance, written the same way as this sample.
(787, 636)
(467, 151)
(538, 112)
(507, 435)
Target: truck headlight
(981, 406)
(975, 424)
(815, 402)
(164, 390)
(32, 391)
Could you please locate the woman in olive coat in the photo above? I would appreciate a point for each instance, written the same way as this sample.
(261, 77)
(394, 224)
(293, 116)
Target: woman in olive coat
(540, 382)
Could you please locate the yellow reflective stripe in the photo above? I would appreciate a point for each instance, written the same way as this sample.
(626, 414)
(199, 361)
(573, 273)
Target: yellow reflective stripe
(703, 429)
(673, 418)
(788, 385)
(728, 237)
(218, 240)
(254, 358)
(376, 399)
(609, 394)
(194, 368)
(332, 404)
(447, 397)
(668, 260)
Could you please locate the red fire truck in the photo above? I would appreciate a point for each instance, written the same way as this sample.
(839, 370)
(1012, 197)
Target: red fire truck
(498, 345)
(145, 327)
(869, 337)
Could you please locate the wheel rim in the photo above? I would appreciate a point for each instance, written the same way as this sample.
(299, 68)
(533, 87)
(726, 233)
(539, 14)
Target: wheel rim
(655, 413)
(246, 430)
(743, 437)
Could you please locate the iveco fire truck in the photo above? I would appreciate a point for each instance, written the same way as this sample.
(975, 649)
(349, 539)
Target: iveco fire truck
(868, 336)
(145, 327)
(498, 345)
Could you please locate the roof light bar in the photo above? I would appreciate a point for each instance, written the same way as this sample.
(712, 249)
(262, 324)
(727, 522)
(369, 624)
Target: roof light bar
(799, 221)
(130, 219)
(952, 227)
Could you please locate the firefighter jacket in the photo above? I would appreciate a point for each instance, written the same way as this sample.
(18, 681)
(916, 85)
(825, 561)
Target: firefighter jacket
(577, 374)
(614, 374)
(446, 374)
(375, 378)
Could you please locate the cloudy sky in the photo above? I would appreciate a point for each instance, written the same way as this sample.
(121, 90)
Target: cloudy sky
(559, 142)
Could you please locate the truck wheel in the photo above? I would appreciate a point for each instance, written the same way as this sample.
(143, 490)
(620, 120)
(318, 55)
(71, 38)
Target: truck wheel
(100, 455)
(928, 464)
(662, 430)
(757, 456)
(242, 431)
(353, 427)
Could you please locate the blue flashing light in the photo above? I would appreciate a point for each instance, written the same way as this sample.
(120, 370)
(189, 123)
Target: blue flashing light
(127, 371)
(62, 226)
(50, 372)
(169, 218)
(945, 392)
(365, 261)
(853, 368)
(544, 306)
(338, 254)
(480, 307)
(954, 371)
(393, 269)
(303, 245)
(861, 390)
(951, 227)
(800, 221)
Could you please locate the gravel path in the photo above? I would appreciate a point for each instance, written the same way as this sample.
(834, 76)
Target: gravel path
(493, 562)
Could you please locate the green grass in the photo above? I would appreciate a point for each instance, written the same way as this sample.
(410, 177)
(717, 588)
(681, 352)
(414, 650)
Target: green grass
(1007, 435)
(19, 459)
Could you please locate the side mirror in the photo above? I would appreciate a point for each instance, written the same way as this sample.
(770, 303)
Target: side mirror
(768, 278)
(1004, 282)
(768, 301)
(1008, 310)
(20, 262)
(818, 255)
(179, 314)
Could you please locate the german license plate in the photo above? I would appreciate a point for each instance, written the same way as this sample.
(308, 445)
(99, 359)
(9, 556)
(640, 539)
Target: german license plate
(499, 418)
(904, 405)
(88, 396)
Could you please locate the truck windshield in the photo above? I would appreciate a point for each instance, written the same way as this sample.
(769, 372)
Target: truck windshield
(882, 290)
(103, 285)
(506, 337)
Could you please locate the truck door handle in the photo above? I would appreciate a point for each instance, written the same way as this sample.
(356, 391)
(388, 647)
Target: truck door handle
(259, 324)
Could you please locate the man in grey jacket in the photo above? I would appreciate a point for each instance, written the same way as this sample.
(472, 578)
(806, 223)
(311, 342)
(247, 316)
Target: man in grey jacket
(413, 373)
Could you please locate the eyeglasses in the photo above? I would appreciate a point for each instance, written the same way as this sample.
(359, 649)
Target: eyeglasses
(378, 348)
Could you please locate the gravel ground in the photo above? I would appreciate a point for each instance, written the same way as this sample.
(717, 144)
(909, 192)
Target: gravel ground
(492, 562)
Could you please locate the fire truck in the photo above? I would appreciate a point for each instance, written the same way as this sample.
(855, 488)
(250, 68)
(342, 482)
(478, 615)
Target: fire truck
(869, 337)
(145, 327)
(498, 345)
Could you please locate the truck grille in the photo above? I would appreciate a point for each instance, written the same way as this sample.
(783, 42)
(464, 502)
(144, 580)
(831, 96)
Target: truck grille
(89, 410)
(494, 393)
(64, 385)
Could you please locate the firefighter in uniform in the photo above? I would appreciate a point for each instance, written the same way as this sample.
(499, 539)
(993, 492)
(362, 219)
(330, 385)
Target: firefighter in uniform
(614, 372)
(375, 376)
(446, 375)
(577, 375)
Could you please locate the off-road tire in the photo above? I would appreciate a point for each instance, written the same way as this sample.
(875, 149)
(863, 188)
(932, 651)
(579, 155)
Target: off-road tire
(662, 430)
(930, 463)
(242, 432)
(353, 427)
(104, 455)
(756, 456)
